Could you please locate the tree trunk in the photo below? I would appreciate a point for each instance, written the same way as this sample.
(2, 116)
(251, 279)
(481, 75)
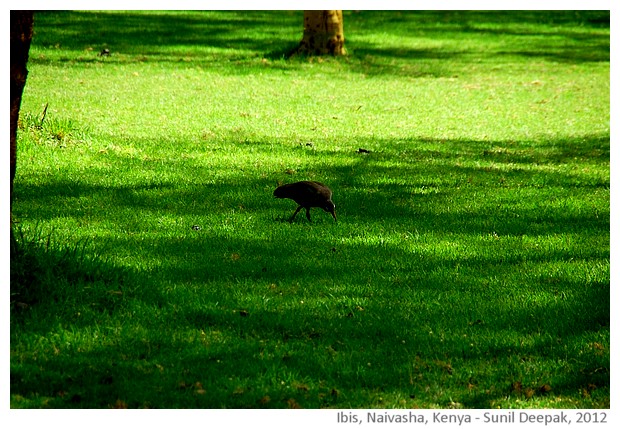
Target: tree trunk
(21, 35)
(323, 33)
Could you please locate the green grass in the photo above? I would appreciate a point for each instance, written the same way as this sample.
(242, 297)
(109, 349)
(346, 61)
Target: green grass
(469, 266)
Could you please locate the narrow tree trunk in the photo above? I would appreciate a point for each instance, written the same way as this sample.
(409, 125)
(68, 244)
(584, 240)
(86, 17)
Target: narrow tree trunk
(21, 35)
(323, 33)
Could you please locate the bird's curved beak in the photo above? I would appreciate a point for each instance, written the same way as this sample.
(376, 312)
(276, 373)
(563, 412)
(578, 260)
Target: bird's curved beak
(333, 212)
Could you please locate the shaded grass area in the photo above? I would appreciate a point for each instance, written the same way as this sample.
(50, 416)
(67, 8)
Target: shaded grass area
(381, 41)
(469, 267)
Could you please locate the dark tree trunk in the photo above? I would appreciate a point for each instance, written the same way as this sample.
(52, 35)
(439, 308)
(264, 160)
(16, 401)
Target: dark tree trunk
(21, 35)
(323, 33)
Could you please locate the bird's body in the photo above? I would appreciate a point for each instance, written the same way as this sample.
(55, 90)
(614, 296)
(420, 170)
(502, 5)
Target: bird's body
(307, 194)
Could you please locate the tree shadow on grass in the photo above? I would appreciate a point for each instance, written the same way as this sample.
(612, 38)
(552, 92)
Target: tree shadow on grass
(367, 338)
(408, 187)
(216, 304)
(352, 347)
(204, 38)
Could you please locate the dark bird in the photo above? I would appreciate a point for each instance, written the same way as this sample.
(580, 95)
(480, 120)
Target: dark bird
(307, 194)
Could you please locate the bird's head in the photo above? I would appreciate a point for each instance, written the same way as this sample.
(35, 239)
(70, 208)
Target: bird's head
(330, 207)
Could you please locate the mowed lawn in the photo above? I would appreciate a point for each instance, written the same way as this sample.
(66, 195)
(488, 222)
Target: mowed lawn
(469, 266)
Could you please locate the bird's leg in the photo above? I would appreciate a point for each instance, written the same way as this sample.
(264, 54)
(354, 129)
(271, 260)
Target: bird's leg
(308, 212)
(295, 214)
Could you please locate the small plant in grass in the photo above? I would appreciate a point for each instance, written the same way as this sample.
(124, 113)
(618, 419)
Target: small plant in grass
(44, 128)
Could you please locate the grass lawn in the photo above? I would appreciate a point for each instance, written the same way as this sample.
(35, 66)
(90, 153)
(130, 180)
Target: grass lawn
(470, 264)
